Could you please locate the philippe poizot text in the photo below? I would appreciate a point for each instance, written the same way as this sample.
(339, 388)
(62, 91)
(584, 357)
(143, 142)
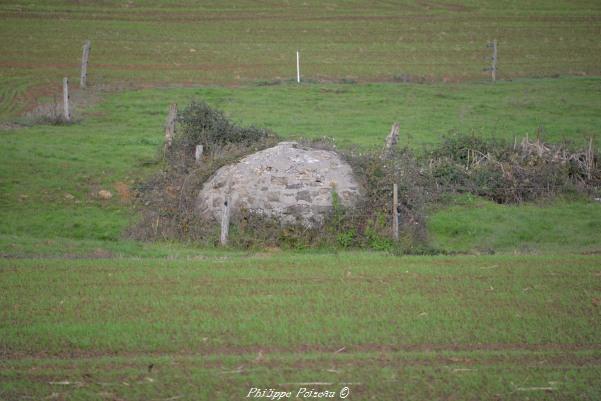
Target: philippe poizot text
(301, 392)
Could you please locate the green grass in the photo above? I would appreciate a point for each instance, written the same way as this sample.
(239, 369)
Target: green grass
(468, 326)
(50, 175)
(233, 42)
(383, 375)
(475, 225)
(11, 95)
(567, 109)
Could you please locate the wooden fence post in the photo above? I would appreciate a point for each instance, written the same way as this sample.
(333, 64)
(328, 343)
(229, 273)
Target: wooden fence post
(590, 159)
(225, 221)
(395, 212)
(494, 61)
(84, 64)
(391, 140)
(66, 112)
(170, 125)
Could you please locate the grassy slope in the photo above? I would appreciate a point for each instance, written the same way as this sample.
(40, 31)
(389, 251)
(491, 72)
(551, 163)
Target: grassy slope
(117, 140)
(231, 42)
(470, 326)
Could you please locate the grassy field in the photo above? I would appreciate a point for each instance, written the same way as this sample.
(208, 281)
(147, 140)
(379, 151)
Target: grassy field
(50, 174)
(88, 315)
(394, 328)
(233, 42)
(470, 224)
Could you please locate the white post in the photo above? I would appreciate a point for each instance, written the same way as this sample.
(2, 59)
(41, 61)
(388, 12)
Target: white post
(198, 153)
(66, 112)
(298, 66)
(225, 222)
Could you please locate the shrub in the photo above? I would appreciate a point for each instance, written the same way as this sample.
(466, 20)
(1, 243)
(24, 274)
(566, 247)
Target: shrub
(512, 173)
(199, 124)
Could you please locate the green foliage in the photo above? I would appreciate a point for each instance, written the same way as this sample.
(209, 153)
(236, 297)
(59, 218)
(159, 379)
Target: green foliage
(346, 235)
(202, 125)
(508, 173)
(457, 146)
(377, 236)
(347, 238)
(167, 199)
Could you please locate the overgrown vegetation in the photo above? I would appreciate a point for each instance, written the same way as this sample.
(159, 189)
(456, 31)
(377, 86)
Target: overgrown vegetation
(46, 114)
(512, 173)
(199, 124)
(490, 168)
(167, 199)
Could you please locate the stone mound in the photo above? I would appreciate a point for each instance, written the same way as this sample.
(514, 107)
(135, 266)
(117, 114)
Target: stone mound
(288, 182)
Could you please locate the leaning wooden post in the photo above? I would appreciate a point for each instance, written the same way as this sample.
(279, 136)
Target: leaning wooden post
(391, 140)
(66, 112)
(225, 221)
(395, 212)
(170, 125)
(84, 64)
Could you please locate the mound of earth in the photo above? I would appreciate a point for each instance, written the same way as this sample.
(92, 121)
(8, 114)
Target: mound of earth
(289, 182)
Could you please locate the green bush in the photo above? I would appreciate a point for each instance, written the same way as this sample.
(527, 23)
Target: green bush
(199, 124)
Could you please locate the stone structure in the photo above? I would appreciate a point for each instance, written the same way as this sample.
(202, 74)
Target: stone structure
(289, 182)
